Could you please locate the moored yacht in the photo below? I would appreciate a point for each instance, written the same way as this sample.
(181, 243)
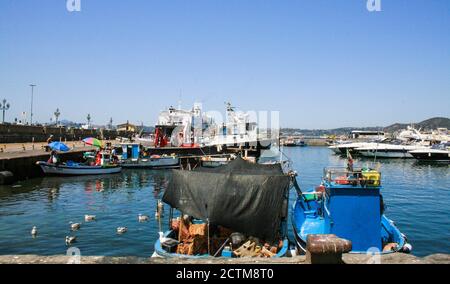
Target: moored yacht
(350, 147)
(437, 153)
(393, 149)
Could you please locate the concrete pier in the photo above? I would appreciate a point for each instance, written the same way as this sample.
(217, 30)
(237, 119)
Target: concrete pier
(21, 158)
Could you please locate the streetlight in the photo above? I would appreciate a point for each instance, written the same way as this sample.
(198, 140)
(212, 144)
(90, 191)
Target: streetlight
(4, 107)
(56, 113)
(31, 113)
(89, 120)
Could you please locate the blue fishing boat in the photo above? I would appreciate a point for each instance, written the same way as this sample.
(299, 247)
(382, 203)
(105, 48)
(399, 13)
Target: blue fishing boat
(348, 203)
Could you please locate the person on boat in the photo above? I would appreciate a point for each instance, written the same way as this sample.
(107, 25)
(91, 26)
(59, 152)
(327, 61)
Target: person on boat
(350, 165)
(54, 159)
(98, 158)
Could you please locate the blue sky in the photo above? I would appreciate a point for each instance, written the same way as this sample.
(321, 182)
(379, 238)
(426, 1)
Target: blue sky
(321, 63)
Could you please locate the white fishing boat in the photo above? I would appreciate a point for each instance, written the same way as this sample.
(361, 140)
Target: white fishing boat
(98, 164)
(73, 169)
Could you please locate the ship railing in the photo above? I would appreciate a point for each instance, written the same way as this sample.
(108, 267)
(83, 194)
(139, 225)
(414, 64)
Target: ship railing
(342, 176)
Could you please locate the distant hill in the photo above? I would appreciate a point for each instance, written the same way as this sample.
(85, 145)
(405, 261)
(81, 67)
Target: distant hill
(428, 124)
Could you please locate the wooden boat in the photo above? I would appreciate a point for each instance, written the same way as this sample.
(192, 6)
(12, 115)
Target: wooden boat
(211, 217)
(77, 169)
(165, 244)
(104, 165)
(349, 205)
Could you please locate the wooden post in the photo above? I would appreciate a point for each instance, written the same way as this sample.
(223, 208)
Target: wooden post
(180, 228)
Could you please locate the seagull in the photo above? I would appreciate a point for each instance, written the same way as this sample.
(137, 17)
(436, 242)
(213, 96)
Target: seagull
(70, 240)
(121, 230)
(167, 241)
(75, 226)
(143, 218)
(34, 231)
(89, 218)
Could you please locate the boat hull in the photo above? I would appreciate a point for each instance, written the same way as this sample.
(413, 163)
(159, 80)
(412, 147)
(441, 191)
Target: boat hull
(432, 156)
(399, 154)
(63, 170)
(159, 250)
(305, 221)
(157, 163)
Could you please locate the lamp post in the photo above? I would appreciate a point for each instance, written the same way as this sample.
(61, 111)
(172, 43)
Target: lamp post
(89, 120)
(56, 113)
(32, 93)
(4, 107)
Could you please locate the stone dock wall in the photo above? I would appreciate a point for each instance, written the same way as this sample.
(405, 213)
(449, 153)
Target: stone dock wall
(395, 258)
(23, 164)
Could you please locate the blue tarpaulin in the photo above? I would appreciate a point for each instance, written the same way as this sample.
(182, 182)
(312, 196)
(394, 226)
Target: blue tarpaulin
(59, 146)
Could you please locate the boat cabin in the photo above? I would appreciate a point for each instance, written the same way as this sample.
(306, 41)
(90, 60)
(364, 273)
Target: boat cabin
(367, 135)
(130, 151)
(352, 206)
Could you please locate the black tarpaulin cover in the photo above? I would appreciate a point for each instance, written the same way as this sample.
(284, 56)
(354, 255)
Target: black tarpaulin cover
(242, 196)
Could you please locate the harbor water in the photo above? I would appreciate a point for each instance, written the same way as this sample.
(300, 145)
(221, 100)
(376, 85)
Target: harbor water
(417, 198)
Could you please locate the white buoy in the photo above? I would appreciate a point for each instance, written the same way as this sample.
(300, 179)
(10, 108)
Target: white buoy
(34, 231)
(121, 230)
(89, 218)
